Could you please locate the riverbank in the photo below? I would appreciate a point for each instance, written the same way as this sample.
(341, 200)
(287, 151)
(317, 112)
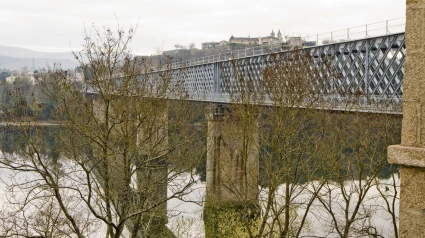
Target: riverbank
(28, 123)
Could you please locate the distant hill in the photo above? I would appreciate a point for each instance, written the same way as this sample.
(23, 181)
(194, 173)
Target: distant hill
(17, 58)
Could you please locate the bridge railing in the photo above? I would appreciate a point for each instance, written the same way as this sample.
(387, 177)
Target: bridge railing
(248, 52)
(392, 26)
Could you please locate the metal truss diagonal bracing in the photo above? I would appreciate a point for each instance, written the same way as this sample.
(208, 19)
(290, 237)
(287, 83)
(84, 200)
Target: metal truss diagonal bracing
(371, 67)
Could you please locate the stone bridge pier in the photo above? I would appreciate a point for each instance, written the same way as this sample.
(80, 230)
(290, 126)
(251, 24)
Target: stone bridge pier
(232, 171)
(411, 153)
(140, 146)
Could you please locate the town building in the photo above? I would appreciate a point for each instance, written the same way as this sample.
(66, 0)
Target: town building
(209, 45)
(295, 41)
(213, 44)
(244, 40)
(271, 39)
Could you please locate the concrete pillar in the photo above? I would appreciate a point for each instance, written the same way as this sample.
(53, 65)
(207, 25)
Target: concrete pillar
(232, 159)
(411, 153)
(152, 141)
(146, 145)
(232, 172)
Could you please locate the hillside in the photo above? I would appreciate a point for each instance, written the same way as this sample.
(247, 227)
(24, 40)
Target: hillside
(17, 58)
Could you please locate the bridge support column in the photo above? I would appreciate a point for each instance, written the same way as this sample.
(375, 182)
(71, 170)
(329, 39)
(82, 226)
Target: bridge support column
(152, 141)
(411, 153)
(140, 146)
(232, 174)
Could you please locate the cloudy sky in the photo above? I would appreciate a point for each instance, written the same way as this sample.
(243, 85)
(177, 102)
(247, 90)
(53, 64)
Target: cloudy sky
(58, 25)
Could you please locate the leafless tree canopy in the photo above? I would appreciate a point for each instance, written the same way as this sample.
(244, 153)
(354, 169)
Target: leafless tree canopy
(116, 156)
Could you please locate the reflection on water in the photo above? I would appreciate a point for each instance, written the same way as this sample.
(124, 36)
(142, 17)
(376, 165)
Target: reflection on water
(14, 139)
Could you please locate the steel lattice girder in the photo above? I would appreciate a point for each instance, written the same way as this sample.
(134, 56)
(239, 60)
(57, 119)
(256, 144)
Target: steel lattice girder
(372, 66)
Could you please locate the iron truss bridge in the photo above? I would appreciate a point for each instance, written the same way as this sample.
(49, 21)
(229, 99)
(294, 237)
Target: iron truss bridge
(370, 75)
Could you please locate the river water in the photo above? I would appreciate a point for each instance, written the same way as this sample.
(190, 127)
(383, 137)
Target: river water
(186, 215)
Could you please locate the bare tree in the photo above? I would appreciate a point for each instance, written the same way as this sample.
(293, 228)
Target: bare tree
(120, 148)
(282, 103)
(389, 191)
(356, 158)
(314, 165)
(191, 46)
(291, 157)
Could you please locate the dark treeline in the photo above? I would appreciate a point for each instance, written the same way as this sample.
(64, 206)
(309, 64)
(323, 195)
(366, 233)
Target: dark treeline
(24, 98)
(370, 133)
(314, 132)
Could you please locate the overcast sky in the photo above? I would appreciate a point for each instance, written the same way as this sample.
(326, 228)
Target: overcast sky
(58, 25)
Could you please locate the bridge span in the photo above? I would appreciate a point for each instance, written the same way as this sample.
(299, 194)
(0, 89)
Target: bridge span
(370, 74)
